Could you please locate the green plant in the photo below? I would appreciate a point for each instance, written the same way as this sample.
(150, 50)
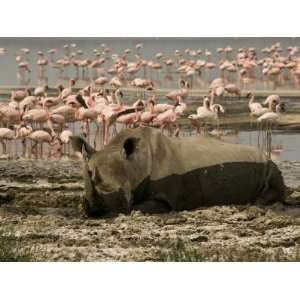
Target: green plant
(179, 250)
(11, 249)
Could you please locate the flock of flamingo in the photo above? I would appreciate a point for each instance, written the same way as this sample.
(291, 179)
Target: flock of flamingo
(34, 117)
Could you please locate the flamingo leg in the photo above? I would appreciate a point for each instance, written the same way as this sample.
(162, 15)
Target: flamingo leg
(34, 146)
(115, 129)
(9, 148)
(88, 130)
(170, 128)
(177, 131)
(96, 135)
(3, 146)
(49, 152)
(106, 133)
(251, 126)
(263, 135)
(162, 127)
(24, 147)
(198, 128)
(41, 147)
(103, 131)
(16, 149)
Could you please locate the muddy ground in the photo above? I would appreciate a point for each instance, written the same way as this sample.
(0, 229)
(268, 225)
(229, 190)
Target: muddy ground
(40, 204)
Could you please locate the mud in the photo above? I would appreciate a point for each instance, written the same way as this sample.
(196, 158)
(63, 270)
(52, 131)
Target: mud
(40, 203)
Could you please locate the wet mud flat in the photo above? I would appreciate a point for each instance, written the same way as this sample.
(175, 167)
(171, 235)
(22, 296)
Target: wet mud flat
(40, 205)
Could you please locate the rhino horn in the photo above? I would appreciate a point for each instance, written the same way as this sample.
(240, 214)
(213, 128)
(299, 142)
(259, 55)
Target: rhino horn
(79, 144)
(93, 207)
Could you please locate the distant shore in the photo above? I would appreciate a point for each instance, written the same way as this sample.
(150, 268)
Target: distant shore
(194, 93)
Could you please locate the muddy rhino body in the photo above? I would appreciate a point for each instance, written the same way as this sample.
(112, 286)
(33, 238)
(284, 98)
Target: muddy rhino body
(141, 169)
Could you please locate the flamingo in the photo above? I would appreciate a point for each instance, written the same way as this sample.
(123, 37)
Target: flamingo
(101, 81)
(42, 62)
(36, 115)
(206, 113)
(40, 137)
(28, 102)
(268, 119)
(87, 115)
(181, 106)
(129, 118)
(22, 131)
(182, 92)
(272, 98)
(7, 134)
(167, 119)
(20, 95)
(271, 116)
(65, 93)
(233, 89)
(9, 115)
(115, 82)
(148, 116)
(253, 106)
(41, 91)
(61, 142)
(161, 107)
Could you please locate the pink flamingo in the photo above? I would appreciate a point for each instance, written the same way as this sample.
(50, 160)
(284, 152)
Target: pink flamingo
(40, 137)
(28, 102)
(41, 91)
(166, 119)
(182, 92)
(42, 62)
(148, 116)
(233, 89)
(101, 81)
(20, 95)
(9, 115)
(69, 90)
(6, 134)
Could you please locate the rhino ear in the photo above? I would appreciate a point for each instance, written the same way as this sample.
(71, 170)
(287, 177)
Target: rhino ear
(130, 146)
(80, 145)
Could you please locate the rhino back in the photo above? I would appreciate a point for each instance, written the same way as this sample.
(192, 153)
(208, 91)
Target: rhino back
(183, 155)
(193, 172)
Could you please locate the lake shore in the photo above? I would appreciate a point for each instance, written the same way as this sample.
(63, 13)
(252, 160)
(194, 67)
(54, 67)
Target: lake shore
(40, 204)
(160, 92)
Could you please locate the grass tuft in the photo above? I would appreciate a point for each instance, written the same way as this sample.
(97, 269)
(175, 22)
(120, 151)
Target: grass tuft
(11, 249)
(179, 250)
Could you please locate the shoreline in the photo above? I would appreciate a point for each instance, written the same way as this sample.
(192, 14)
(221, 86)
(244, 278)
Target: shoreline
(128, 91)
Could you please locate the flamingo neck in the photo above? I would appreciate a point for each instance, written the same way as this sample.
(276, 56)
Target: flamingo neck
(151, 106)
(277, 109)
(212, 98)
(119, 102)
(207, 104)
(251, 99)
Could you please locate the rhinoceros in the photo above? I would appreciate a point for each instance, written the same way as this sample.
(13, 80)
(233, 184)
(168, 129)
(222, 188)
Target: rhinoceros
(142, 169)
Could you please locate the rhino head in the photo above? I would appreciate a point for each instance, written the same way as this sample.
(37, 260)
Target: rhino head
(111, 175)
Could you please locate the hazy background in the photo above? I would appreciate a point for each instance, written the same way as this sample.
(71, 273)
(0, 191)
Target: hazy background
(8, 66)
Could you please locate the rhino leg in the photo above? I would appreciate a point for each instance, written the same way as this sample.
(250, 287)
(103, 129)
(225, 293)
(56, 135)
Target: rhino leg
(153, 205)
(274, 189)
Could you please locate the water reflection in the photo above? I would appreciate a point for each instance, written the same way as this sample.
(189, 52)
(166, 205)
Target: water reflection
(284, 145)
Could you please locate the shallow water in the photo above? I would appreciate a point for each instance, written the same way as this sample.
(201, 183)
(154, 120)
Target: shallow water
(285, 146)
(151, 46)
